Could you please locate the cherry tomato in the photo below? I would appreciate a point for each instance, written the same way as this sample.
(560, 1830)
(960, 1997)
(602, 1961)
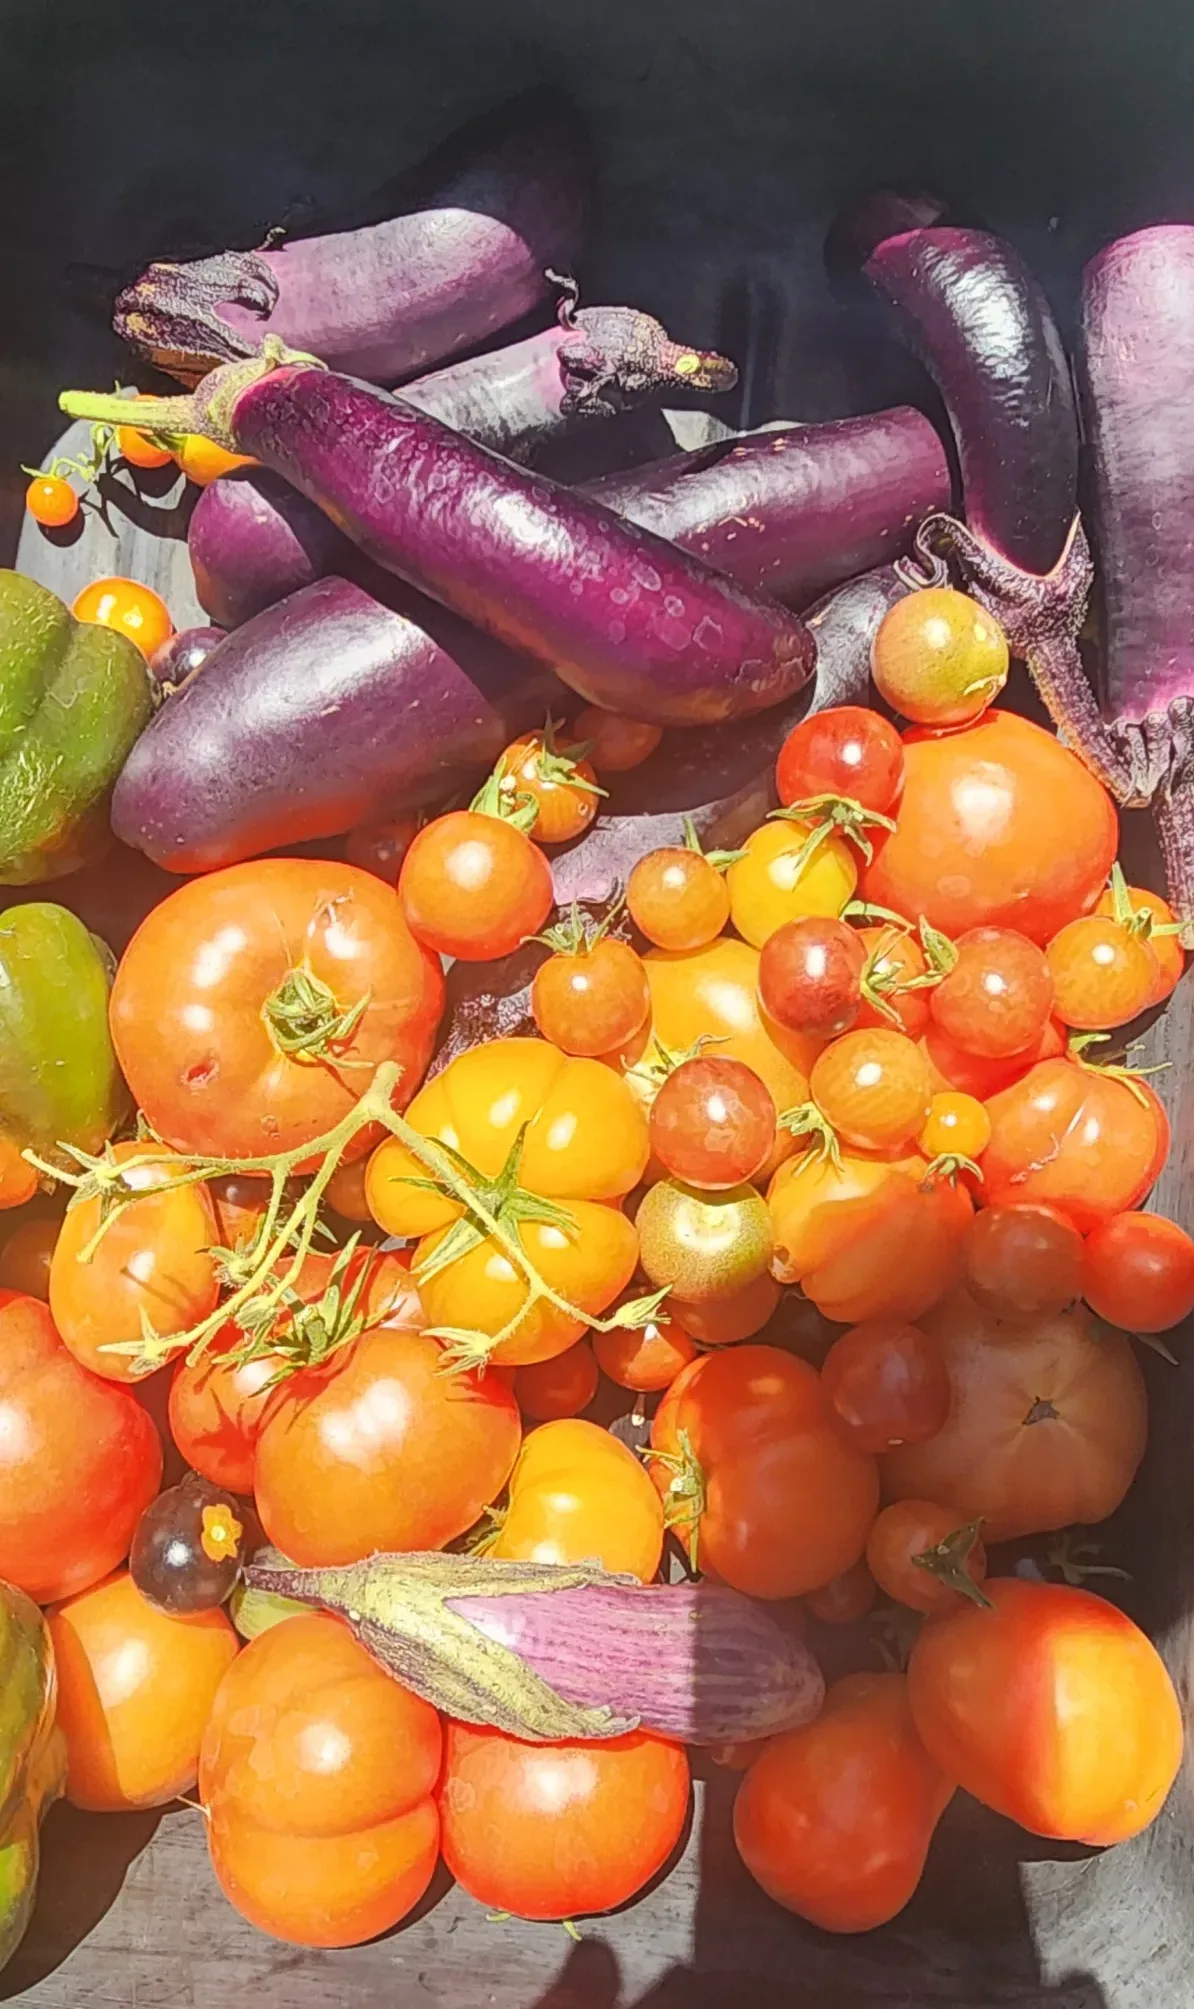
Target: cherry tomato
(1103, 974)
(132, 609)
(1052, 1707)
(810, 976)
(646, 1357)
(957, 1126)
(51, 501)
(712, 1123)
(998, 826)
(765, 1490)
(1138, 1272)
(677, 899)
(704, 1246)
(919, 1555)
(239, 1202)
(939, 658)
(591, 1001)
(576, 1493)
(845, 1598)
(1150, 914)
(80, 1460)
(345, 1191)
(203, 462)
(216, 1409)
(834, 1820)
(952, 1068)
(154, 1262)
(1080, 1138)
(615, 742)
(559, 781)
(893, 991)
(135, 1690)
(139, 450)
(867, 1237)
(381, 847)
(560, 1387)
(996, 999)
(189, 1548)
(886, 1385)
(780, 879)
(846, 751)
(724, 1321)
(559, 1830)
(25, 1257)
(474, 887)
(1023, 1262)
(872, 1087)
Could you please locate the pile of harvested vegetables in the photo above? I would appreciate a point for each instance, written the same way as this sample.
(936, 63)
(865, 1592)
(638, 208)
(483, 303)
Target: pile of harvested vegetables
(649, 1167)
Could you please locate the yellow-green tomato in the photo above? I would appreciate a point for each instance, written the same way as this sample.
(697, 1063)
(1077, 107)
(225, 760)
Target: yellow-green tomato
(705, 1246)
(939, 658)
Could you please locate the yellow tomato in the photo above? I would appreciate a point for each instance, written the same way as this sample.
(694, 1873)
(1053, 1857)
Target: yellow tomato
(577, 1495)
(202, 461)
(588, 1264)
(771, 885)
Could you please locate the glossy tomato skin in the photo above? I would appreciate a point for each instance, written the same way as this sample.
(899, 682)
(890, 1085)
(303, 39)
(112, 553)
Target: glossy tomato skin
(996, 999)
(593, 1001)
(645, 1358)
(473, 886)
(216, 1409)
(847, 750)
(834, 1820)
(132, 609)
(1138, 1272)
(788, 1500)
(886, 1385)
(939, 658)
(908, 1529)
(1167, 949)
(559, 1830)
(191, 1000)
(1053, 1708)
(713, 1123)
(810, 976)
(80, 1460)
(1047, 1422)
(566, 801)
(952, 1068)
(1023, 1262)
(677, 899)
(577, 1493)
(873, 1088)
(998, 826)
(380, 1450)
(550, 1390)
(1076, 1138)
(326, 1890)
(776, 881)
(870, 1237)
(616, 743)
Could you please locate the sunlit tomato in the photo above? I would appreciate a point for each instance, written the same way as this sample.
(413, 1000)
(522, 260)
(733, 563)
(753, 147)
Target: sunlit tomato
(381, 847)
(712, 1123)
(951, 1067)
(132, 609)
(998, 826)
(51, 501)
(835, 1819)
(846, 751)
(868, 1238)
(780, 880)
(1103, 974)
(761, 1485)
(238, 982)
(576, 1493)
(1079, 1138)
(592, 1001)
(886, 1384)
(482, 1293)
(1151, 915)
(678, 899)
(562, 1386)
(996, 999)
(810, 976)
(139, 450)
(154, 1262)
(1138, 1272)
(872, 1087)
(326, 1890)
(80, 1460)
(615, 742)
(474, 886)
(939, 658)
(1046, 1426)
(559, 1830)
(380, 1449)
(559, 780)
(894, 992)
(18, 1179)
(203, 462)
(705, 1246)
(135, 1689)
(1053, 1708)
(25, 1257)
(216, 1409)
(957, 1126)
(646, 1357)
(919, 1555)
(1023, 1262)
(845, 1598)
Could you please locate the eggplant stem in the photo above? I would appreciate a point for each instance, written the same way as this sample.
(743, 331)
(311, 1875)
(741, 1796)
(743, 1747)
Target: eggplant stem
(1173, 813)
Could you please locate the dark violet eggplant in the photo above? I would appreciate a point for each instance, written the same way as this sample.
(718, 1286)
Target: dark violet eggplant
(623, 617)
(982, 325)
(443, 260)
(253, 540)
(1137, 385)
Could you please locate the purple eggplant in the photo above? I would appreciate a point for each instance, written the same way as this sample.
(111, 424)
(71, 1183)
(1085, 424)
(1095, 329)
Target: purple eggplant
(624, 618)
(253, 540)
(1137, 383)
(982, 325)
(441, 262)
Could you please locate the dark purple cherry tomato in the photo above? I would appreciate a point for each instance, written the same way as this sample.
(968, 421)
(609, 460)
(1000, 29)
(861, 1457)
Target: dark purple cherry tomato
(182, 653)
(189, 1546)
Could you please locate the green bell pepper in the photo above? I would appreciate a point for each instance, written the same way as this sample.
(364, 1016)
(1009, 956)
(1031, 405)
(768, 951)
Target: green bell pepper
(59, 1081)
(32, 1757)
(73, 698)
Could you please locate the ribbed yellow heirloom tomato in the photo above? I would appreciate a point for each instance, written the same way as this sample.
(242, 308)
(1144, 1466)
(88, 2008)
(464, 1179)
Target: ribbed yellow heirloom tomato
(570, 1136)
(771, 884)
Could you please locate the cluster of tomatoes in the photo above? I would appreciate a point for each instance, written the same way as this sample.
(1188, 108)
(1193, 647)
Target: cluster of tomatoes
(54, 502)
(812, 1156)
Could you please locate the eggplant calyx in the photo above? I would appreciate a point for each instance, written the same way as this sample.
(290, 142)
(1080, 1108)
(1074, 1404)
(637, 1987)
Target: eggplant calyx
(1041, 614)
(613, 355)
(170, 315)
(210, 408)
(1159, 752)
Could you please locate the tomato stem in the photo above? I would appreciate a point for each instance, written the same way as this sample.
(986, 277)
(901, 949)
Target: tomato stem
(306, 1021)
(946, 1561)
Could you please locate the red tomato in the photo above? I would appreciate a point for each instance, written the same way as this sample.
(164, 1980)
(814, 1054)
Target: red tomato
(474, 887)
(848, 751)
(886, 1385)
(995, 1001)
(712, 1123)
(80, 1460)
(646, 1357)
(810, 976)
(951, 1067)
(1079, 1138)
(919, 1555)
(1023, 1262)
(615, 742)
(845, 1598)
(559, 1830)
(998, 826)
(216, 1410)
(551, 1389)
(1053, 1708)
(1138, 1272)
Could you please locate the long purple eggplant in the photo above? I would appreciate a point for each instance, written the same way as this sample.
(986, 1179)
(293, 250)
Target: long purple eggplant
(982, 325)
(623, 617)
(1137, 383)
(444, 260)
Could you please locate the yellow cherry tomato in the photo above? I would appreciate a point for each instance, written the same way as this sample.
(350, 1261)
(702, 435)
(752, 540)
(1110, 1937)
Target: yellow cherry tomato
(957, 1126)
(772, 885)
(202, 461)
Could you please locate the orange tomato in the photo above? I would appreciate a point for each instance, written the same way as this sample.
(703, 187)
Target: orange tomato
(18, 1180)
(203, 462)
(326, 1890)
(139, 450)
(135, 1689)
(548, 1390)
(1166, 948)
(845, 1598)
(132, 609)
(51, 501)
(869, 1237)
(911, 1534)
(1077, 1138)
(216, 1410)
(646, 1357)
(576, 1493)
(724, 1321)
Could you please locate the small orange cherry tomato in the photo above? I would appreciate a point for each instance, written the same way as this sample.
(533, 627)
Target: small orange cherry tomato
(25, 1257)
(615, 742)
(872, 1087)
(577, 1494)
(132, 609)
(18, 1180)
(590, 999)
(919, 1555)
(957, 1126)
(1103, 973)
(549, 1390)
(559, 781)
(646, 1357)
(51, 501)
(677, 898)
(1150, 913)
(139, 450)
(473, 886)
(203, 462)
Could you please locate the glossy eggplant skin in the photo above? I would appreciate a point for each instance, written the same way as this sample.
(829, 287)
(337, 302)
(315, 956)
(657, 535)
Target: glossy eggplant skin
(252, 540)
(625, 619)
